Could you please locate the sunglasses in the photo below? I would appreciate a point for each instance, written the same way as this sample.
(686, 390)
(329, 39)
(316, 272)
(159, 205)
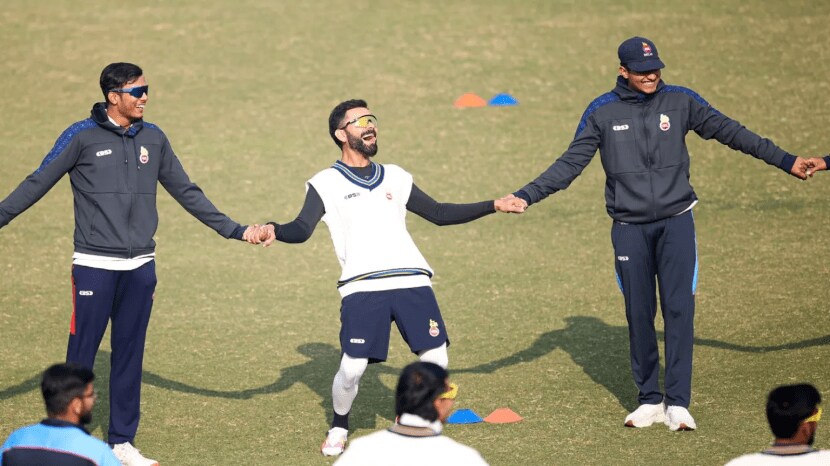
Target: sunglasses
(815, 417)
(450, 394)
(137, 92)
(362, 121)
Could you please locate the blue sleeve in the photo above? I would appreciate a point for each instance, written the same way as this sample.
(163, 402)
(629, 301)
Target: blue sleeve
(175, 180)
(709, 123)
(63, 156)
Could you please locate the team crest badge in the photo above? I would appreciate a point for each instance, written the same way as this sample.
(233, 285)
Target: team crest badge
(144, 155)
(389, 196)
(647, 50)
(433, 328)
(664, 122)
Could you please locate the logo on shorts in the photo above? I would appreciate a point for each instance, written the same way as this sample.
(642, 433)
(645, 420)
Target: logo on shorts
(85, 293)
(144, 155)
(622, 258)
(433, 328)
(358, 341)
(664, 122)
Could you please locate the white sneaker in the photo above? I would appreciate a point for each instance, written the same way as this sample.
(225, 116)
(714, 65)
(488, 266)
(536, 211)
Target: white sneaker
(646, 415)
(335, 442)
(130, 456)
(679, 418)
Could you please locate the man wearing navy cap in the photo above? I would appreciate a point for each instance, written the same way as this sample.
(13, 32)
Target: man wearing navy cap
(639, 128)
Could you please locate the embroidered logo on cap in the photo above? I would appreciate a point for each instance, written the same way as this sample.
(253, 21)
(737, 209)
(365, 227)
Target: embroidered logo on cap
(647, 50)
(664, 122)
(144, 155)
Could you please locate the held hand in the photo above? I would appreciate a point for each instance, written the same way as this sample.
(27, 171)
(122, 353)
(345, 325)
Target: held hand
(801, 168)
(267, 234)
(251, 234)
(815, 164)
(510, 204)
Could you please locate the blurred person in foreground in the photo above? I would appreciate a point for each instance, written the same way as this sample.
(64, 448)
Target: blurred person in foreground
(423, 401)
(61, 439)
(793, 413)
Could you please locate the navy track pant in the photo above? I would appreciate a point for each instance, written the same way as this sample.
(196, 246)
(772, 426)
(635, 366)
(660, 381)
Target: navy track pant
(125, 297)
(646, 254)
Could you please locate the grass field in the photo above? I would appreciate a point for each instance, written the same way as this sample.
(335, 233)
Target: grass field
(243, 343)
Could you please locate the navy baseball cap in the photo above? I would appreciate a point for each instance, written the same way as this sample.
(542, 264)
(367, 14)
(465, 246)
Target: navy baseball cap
(639, 54)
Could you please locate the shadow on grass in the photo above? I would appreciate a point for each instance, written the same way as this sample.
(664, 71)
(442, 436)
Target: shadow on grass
(601, 350)
(317, 374)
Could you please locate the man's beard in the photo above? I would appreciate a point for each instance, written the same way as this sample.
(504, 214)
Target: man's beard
(86, 418)
(357, 144)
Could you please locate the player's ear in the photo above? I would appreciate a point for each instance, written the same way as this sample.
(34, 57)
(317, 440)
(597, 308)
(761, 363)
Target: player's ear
(111, 98)
(340, 134)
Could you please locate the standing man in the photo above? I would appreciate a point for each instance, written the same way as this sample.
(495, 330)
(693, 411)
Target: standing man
(640, 129)
(384, 276)
(424, 399)
(60, 439)
(793, 413)
(115, 161)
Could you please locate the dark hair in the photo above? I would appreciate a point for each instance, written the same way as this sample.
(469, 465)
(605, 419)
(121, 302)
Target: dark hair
(788, 405)
(336, 116)
(61, 384)
(419, 386)
(116, 75)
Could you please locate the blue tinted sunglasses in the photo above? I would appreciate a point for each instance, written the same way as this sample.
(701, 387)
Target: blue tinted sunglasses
(137, 92)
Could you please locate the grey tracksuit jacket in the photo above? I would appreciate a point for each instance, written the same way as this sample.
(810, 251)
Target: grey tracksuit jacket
(114, 175)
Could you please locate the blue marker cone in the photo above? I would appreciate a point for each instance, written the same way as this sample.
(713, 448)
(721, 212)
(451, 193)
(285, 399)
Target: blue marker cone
(464, 416)
(503, 100)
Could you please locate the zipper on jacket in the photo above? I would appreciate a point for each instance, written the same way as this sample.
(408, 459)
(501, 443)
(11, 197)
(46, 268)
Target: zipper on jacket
(129, 191)
(650, 163)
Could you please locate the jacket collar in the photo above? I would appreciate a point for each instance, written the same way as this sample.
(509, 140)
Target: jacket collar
(99, 115)
(629, 95)
(61, 423)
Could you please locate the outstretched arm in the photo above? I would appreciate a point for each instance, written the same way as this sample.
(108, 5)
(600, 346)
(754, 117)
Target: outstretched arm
(298, 230)
(443, 213)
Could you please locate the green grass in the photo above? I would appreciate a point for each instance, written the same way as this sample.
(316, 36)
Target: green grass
(243, 343)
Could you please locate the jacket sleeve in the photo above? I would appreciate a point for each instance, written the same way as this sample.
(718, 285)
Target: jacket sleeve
(174, 179)
(709, 123)
(567, 167)
(63, 156)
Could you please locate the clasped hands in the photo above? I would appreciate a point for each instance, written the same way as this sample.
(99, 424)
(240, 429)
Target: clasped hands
(260, 234)
(806, 168)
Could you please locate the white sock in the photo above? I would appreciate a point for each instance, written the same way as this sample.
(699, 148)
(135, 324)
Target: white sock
(436, 355)
(345, 385)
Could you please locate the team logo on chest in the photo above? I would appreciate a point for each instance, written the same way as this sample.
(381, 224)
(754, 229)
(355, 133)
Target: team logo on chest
(433, 328)
(143, 155)
(664, 122)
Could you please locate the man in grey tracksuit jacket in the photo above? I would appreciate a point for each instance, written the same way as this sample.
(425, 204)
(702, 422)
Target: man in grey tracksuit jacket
(640, 128)
(115, 162)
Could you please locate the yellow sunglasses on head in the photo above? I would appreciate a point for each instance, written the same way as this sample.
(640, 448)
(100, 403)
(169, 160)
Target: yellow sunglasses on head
(815, 417)
(449, 394)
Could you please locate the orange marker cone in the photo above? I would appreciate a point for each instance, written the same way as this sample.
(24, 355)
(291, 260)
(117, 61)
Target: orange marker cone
(469, 100)
(502, 416)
